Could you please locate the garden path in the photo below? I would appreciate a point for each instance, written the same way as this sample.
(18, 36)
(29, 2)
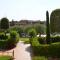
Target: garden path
(22, 51)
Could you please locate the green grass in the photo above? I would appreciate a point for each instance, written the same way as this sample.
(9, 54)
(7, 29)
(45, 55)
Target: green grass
(5, 58)
(26, 40)
(39, 58)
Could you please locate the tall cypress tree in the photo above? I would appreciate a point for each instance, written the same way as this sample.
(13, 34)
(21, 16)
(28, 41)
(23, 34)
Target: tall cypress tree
(47, 28)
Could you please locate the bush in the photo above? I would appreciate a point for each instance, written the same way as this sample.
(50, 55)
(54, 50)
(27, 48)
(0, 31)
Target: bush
(34, 41)
(55, 39)
(13, 34)
(41, 40)
(32, 33)
(40, 49)
(52, 49)
(13, 39)
(3, 36)
(10, 41)
(3, 44)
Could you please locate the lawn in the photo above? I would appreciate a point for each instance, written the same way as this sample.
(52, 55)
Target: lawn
(5, 58)
(39, 58)
(26, 40)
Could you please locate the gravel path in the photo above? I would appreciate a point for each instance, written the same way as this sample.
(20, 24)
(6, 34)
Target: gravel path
(22, 51)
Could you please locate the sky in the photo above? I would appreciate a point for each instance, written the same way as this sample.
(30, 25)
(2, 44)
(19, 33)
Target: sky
(27, 9)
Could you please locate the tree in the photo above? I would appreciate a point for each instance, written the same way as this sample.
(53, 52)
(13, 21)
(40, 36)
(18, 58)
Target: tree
(40, 28)
(47, 28)
(55, 21)
(4, 23)
(32, 33)
(12, 23)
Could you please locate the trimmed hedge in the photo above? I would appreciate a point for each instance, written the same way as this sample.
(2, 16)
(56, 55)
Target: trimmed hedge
(46, 49)
(54, 49)
(55, 39)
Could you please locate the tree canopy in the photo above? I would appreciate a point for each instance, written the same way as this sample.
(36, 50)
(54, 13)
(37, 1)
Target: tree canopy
(55, 21)
(4, 23)
(32, 33)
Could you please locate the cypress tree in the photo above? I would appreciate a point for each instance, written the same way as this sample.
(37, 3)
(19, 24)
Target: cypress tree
(47, 28)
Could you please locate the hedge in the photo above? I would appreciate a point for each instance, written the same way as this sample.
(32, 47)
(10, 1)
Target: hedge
(52, 49)
(55, 39)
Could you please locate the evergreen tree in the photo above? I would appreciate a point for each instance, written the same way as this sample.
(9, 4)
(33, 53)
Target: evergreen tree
(4, 23)
(47, 28)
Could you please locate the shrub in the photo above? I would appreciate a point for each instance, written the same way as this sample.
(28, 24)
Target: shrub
(3, 44)
(55, 39)
(32, 33)
(13, 34)
(13, 39)
(52, 49)
(35, 45)
(3, 36)
(9, 41)
(41, 40)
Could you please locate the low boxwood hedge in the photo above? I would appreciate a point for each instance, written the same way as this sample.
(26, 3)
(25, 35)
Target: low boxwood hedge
(55, 39)
(52, 49)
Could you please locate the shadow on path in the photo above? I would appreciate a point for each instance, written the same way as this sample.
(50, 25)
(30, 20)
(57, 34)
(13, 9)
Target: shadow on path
(29, 49)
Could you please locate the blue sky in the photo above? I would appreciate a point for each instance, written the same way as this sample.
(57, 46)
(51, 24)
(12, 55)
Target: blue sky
(27, 9)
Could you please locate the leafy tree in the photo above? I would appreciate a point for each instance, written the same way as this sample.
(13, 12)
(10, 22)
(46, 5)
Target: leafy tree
(40, 28)
(4, 23)
(13, 39)
(47, 28)
(26, 30)
(20, 30)
(32, 33)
